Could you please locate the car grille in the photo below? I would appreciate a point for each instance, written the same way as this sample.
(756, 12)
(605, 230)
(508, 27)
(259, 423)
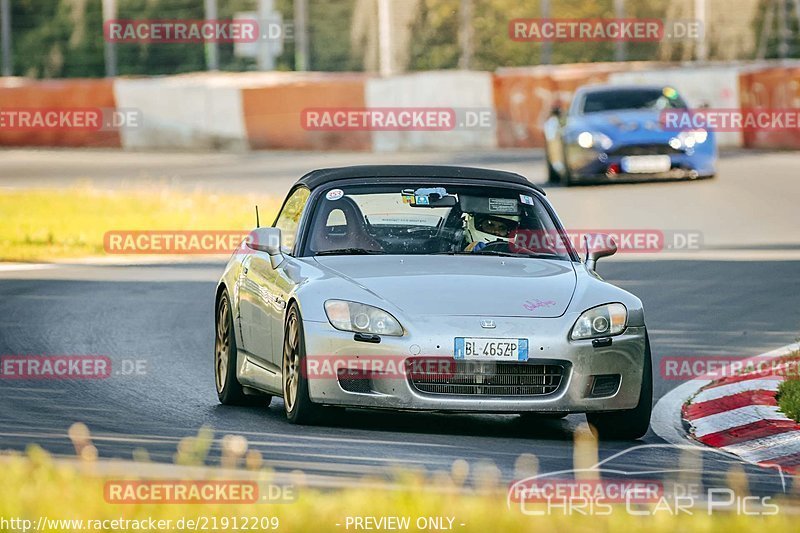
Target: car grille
(473, 378)
(644, 149)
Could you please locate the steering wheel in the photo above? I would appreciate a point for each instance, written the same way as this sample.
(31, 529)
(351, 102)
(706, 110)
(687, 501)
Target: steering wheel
(499, 246)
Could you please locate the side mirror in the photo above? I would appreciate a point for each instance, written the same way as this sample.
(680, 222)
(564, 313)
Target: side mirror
(267, 240)
(598, 245)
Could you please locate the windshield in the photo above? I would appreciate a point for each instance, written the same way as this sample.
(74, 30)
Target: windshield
(421, 219)
(630, 99)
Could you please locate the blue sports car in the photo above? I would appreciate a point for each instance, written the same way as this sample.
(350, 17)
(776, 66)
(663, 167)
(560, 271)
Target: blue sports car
(616, 132)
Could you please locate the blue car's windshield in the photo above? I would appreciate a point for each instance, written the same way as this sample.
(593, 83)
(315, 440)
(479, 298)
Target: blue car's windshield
(416, 218)
(630, 99)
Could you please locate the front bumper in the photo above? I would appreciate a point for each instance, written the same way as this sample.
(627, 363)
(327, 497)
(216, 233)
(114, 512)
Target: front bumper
(582, 363)
(591, 166)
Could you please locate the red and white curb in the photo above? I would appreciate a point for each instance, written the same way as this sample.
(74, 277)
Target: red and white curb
(737, 414)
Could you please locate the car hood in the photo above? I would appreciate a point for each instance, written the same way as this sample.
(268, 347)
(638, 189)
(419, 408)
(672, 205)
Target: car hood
(460, 285)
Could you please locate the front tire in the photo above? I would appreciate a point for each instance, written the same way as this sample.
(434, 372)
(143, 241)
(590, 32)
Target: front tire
(553, 177)
(296, 401)
(633, 423)
(566, 177)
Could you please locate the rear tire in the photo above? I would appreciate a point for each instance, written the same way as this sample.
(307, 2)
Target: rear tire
(297, 403)
(633, 423)
(229, 390)
(566, 178)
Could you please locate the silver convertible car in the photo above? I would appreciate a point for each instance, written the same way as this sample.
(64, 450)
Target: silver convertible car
(429, 288)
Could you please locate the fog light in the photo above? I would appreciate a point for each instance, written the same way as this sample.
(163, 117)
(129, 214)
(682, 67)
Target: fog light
(605, 385)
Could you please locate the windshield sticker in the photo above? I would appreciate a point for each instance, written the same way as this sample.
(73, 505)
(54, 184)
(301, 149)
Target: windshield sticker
(503, 205)
(525, 199)
(334, 194)
(422, 200)
(408, 198)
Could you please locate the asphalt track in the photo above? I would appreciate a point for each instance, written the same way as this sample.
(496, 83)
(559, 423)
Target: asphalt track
(162, 315)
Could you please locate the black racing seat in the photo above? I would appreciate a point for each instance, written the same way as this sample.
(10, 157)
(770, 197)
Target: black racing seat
(353, 234)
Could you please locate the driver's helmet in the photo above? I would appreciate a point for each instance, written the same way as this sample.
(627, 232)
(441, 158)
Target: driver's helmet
(483, 229)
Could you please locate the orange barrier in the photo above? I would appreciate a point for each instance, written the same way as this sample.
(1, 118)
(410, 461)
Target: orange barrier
(775, 88)
(524, 97)
(273, 113)
(57, 95)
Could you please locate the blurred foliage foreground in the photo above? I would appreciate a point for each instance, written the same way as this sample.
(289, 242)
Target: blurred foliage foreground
(40, 493)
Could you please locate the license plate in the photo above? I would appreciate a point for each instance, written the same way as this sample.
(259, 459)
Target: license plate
(646, 164)
(482, 349)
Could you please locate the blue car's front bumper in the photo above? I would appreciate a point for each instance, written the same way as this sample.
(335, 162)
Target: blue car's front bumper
(592, 165)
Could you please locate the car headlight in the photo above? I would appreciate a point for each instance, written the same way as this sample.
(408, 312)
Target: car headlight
(602, 321)
(589, 139)
(691, 138)
(361, 318)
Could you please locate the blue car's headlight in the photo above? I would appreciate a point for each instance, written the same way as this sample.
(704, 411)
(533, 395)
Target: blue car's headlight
(594, 139)
(689, 139)
(603, 321)
(361, 318)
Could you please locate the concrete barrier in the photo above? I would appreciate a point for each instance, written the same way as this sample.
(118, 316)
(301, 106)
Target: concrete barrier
(467, 94)
(194, 112)
(241, 111)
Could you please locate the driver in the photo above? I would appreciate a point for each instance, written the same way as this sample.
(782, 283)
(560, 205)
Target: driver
(483, 230)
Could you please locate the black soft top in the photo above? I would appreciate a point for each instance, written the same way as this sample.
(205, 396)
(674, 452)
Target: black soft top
(319, 177)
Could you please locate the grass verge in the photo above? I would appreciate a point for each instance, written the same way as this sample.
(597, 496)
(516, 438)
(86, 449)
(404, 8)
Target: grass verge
(49, 224)
(75, 496)
(789, 390)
